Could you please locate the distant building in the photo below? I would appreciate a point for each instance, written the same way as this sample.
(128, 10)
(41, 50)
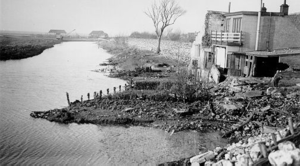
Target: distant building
(233, 43)
(98, 34)
(57, 32)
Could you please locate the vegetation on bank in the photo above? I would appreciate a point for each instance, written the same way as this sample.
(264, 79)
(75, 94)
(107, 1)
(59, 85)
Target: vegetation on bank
(173, 36)
(129, 57)
(19, 47)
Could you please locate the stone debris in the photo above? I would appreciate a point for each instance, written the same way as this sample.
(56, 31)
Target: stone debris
(248, 152)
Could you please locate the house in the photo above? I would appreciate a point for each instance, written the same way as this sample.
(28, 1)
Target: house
(98, 34)
(58, 33)
(245, 43)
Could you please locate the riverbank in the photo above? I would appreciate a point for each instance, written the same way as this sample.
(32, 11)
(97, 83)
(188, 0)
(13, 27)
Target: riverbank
(165, 97)
(20, 47)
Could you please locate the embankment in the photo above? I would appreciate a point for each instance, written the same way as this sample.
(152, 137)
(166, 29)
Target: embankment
(20, 47)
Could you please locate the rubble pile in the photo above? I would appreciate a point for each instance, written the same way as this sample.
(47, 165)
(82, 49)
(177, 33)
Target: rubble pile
(253, 105)
(254, 151)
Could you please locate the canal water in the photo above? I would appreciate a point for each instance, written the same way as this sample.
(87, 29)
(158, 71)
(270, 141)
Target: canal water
(40, 83)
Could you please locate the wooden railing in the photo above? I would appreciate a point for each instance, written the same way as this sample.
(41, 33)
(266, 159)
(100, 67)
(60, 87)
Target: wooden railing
(226, 38)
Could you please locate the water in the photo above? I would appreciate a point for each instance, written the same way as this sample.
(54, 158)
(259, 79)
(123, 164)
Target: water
(40, 83)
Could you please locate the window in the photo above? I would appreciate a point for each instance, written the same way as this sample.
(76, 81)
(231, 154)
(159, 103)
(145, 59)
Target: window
(236, 26)
(227, 25)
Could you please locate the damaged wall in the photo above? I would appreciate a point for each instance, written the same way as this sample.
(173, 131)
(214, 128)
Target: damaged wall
(281, 32)
(214, 21)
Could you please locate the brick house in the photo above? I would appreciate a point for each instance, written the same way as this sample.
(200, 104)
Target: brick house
(237, 46)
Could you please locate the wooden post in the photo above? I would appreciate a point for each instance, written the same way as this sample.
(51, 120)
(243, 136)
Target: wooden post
(227, 37)
(95, 95)
(107, 90)
(100, 94)
(81, 98)
(241, 38)
(290, 120)
(262, 128)
(216, 37)
(274, 138)
(221, 36)
(120, 88)
(68, 98)
(115, 89)
(88, 96)
(263, 149)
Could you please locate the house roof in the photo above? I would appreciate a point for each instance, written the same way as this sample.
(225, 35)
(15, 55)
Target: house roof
(276, 53)
(252, 13)
(97, 33)
(57, 31)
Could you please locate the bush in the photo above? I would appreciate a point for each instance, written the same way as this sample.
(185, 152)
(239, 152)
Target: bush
(187, 89)
(143, 35)
(121, 40)
(147, 85)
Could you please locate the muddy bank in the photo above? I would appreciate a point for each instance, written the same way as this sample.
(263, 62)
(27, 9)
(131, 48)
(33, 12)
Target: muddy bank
(235, 116)
(23, 47)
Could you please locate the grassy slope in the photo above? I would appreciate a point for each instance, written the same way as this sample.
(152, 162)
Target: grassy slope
(18, 47)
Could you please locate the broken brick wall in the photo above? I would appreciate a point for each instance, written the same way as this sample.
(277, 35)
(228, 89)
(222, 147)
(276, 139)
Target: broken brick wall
(214, 21)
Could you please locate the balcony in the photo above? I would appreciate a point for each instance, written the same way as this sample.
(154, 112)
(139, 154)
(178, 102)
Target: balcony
(226, 38)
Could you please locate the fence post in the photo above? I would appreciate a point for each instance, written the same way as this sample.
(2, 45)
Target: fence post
(115, 89)
(88, 96)
(68, 99)
(81, 98)
(290, 121)
(107, 90)
(120, 88)
(100, 94)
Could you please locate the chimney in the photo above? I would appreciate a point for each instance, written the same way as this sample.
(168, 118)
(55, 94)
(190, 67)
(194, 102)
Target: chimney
(263, 9)
(284, 9)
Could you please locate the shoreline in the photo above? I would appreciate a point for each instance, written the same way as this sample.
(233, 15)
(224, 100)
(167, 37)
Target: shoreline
(238, 113)
(19, 47)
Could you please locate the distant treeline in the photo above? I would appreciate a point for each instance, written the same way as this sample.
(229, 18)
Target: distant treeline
(174, 36)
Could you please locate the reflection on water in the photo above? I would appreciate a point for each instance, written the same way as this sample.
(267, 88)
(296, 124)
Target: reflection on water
(40, 83)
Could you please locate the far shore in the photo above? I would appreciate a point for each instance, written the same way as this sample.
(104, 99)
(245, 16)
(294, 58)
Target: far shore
(20, 47)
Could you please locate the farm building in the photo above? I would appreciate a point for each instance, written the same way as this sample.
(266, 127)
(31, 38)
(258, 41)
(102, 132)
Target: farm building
(98, 34)
(57, 32)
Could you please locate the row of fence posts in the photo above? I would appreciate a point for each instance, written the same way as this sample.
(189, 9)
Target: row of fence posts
(100, 94)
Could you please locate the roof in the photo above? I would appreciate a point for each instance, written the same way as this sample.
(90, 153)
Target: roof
(57, 31)
(276, 53)
(97, 33)
(252, 13)
(242, 13)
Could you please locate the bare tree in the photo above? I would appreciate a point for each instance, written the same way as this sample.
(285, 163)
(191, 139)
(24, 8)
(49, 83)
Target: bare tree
(164, 14)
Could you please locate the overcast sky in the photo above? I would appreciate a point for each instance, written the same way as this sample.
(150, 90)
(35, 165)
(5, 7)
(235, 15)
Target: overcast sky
(115, 17)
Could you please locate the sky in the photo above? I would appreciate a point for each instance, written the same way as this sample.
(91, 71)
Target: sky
(115, 17)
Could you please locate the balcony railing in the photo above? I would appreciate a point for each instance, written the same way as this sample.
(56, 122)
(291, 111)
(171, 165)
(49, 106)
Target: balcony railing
(234, 39)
